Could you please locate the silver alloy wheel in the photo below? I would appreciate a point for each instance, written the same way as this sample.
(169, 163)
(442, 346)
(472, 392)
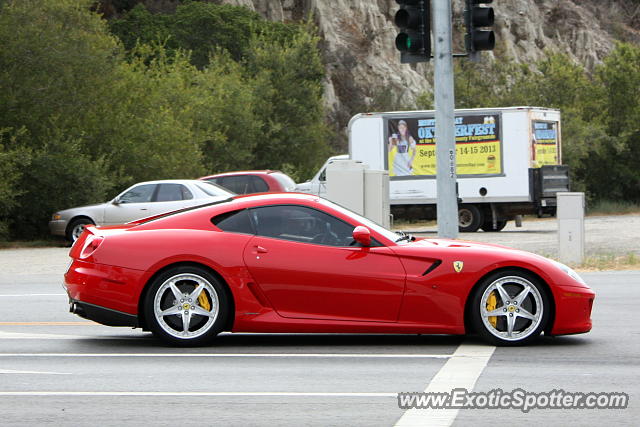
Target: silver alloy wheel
(77, 231)
(518, 308)
(178, 310)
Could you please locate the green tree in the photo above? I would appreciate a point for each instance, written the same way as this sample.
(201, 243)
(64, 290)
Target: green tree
(94, 123)
(288, 86)
(13, 159)
(619, 79)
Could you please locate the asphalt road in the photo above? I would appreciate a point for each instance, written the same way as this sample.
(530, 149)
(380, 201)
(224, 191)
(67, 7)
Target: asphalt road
(56, 368)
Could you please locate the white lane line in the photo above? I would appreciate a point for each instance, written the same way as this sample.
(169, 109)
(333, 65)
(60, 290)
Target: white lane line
(11, 371)
(32, 295)
(274, 355)
(193, 393)
(23, 336)
(460, 371)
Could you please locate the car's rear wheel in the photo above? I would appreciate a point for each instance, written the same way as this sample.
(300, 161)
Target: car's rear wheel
(75, 229)
(510, 307)
(186, 306)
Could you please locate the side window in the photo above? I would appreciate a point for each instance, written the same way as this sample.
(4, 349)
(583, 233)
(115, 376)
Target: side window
(301, 224)
(186, 194)
(169, 192)
(234, 222)
(323, 175)
(238, 184)
(258, 184)
(138, 194)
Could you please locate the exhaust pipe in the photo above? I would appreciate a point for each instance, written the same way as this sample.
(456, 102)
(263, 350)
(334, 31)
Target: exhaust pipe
(76, 309)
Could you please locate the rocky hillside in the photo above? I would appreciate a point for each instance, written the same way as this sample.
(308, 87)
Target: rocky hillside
(358, 39)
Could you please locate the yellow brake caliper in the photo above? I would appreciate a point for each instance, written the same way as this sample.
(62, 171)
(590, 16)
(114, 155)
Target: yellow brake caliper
(203, 300)
(492, 303)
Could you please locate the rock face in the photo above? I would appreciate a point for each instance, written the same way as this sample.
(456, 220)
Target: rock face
(361, 61)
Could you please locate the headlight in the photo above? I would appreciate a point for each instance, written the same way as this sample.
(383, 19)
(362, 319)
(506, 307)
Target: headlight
(56, 216)
(575, 276)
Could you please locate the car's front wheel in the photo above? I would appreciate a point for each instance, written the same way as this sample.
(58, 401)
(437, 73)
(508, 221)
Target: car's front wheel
(510, 307)
(75, 229)
(186, 306)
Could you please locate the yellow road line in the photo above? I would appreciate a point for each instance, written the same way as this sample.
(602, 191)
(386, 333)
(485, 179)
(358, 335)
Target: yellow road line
(47, 323)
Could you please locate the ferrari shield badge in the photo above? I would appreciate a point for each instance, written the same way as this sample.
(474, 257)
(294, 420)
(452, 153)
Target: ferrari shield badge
(457, 266)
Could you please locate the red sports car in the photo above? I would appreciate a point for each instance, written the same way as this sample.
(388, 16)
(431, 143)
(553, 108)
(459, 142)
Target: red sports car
(298, 263)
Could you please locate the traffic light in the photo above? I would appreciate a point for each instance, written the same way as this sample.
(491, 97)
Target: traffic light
(414, 39)
(477, 17)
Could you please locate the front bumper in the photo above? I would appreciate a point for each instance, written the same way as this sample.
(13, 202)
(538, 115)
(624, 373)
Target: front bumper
(573, 310)
(58, 227)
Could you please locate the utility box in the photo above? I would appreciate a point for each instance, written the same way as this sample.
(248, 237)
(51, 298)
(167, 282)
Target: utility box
(353, 185)
(571, 227)
(345, 184)
(376, 197)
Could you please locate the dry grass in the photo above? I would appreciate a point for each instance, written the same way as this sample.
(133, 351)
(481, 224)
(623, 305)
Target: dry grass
(608, 207)
(32, 244)
(630, 261)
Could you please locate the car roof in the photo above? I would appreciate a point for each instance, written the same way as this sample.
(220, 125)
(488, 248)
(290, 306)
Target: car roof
(279, 196)
(251, 172)
(169, 181)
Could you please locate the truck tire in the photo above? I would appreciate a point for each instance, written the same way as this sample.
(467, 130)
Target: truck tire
(470, 218)
(488, 225)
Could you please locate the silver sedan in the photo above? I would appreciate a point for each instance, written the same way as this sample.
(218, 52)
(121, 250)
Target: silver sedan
(138, 201)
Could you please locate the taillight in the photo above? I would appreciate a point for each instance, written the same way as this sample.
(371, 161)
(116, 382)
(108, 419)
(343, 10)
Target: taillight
(90, 245)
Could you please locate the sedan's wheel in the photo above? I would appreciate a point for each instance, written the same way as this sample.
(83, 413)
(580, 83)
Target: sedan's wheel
(510, 308)
(186, 306)
(470, 218)
(75, 229)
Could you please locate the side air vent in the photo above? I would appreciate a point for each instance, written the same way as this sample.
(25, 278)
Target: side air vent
(432, 267)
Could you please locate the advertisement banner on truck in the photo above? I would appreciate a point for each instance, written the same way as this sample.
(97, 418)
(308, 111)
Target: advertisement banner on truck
(544, 142)
(411, 146)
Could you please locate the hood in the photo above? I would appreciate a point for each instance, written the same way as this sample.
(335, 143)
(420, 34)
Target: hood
(454, 243)
(438, 248)
(97, 205)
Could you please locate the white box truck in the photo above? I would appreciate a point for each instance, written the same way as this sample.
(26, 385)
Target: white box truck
(508, 162)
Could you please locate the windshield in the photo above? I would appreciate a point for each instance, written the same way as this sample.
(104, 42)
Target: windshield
(285, 180)
(213, 189)
(367, 223)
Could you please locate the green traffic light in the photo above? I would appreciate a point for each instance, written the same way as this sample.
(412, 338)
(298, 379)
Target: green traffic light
(408, 42)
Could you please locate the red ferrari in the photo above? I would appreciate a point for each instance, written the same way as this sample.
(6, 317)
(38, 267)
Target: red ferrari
(299, 263)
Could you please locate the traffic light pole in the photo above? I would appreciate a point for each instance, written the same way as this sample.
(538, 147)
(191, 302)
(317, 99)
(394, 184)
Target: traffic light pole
(445, 120)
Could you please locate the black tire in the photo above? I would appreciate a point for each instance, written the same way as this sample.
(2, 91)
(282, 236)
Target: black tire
(76, 227)
(470, 218)
(201, 329)
(488, 226)
(495, 329)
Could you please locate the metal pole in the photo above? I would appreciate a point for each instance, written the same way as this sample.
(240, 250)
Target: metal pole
(445, 122)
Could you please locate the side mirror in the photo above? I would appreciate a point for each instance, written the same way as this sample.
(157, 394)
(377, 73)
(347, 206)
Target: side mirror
(362, 235)
(116, 201)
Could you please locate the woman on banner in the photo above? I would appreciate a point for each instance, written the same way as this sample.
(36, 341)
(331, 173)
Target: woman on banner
(405, 147)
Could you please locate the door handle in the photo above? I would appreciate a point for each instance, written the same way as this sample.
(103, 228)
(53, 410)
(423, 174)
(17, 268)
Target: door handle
(143, 209)
(261, 250)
